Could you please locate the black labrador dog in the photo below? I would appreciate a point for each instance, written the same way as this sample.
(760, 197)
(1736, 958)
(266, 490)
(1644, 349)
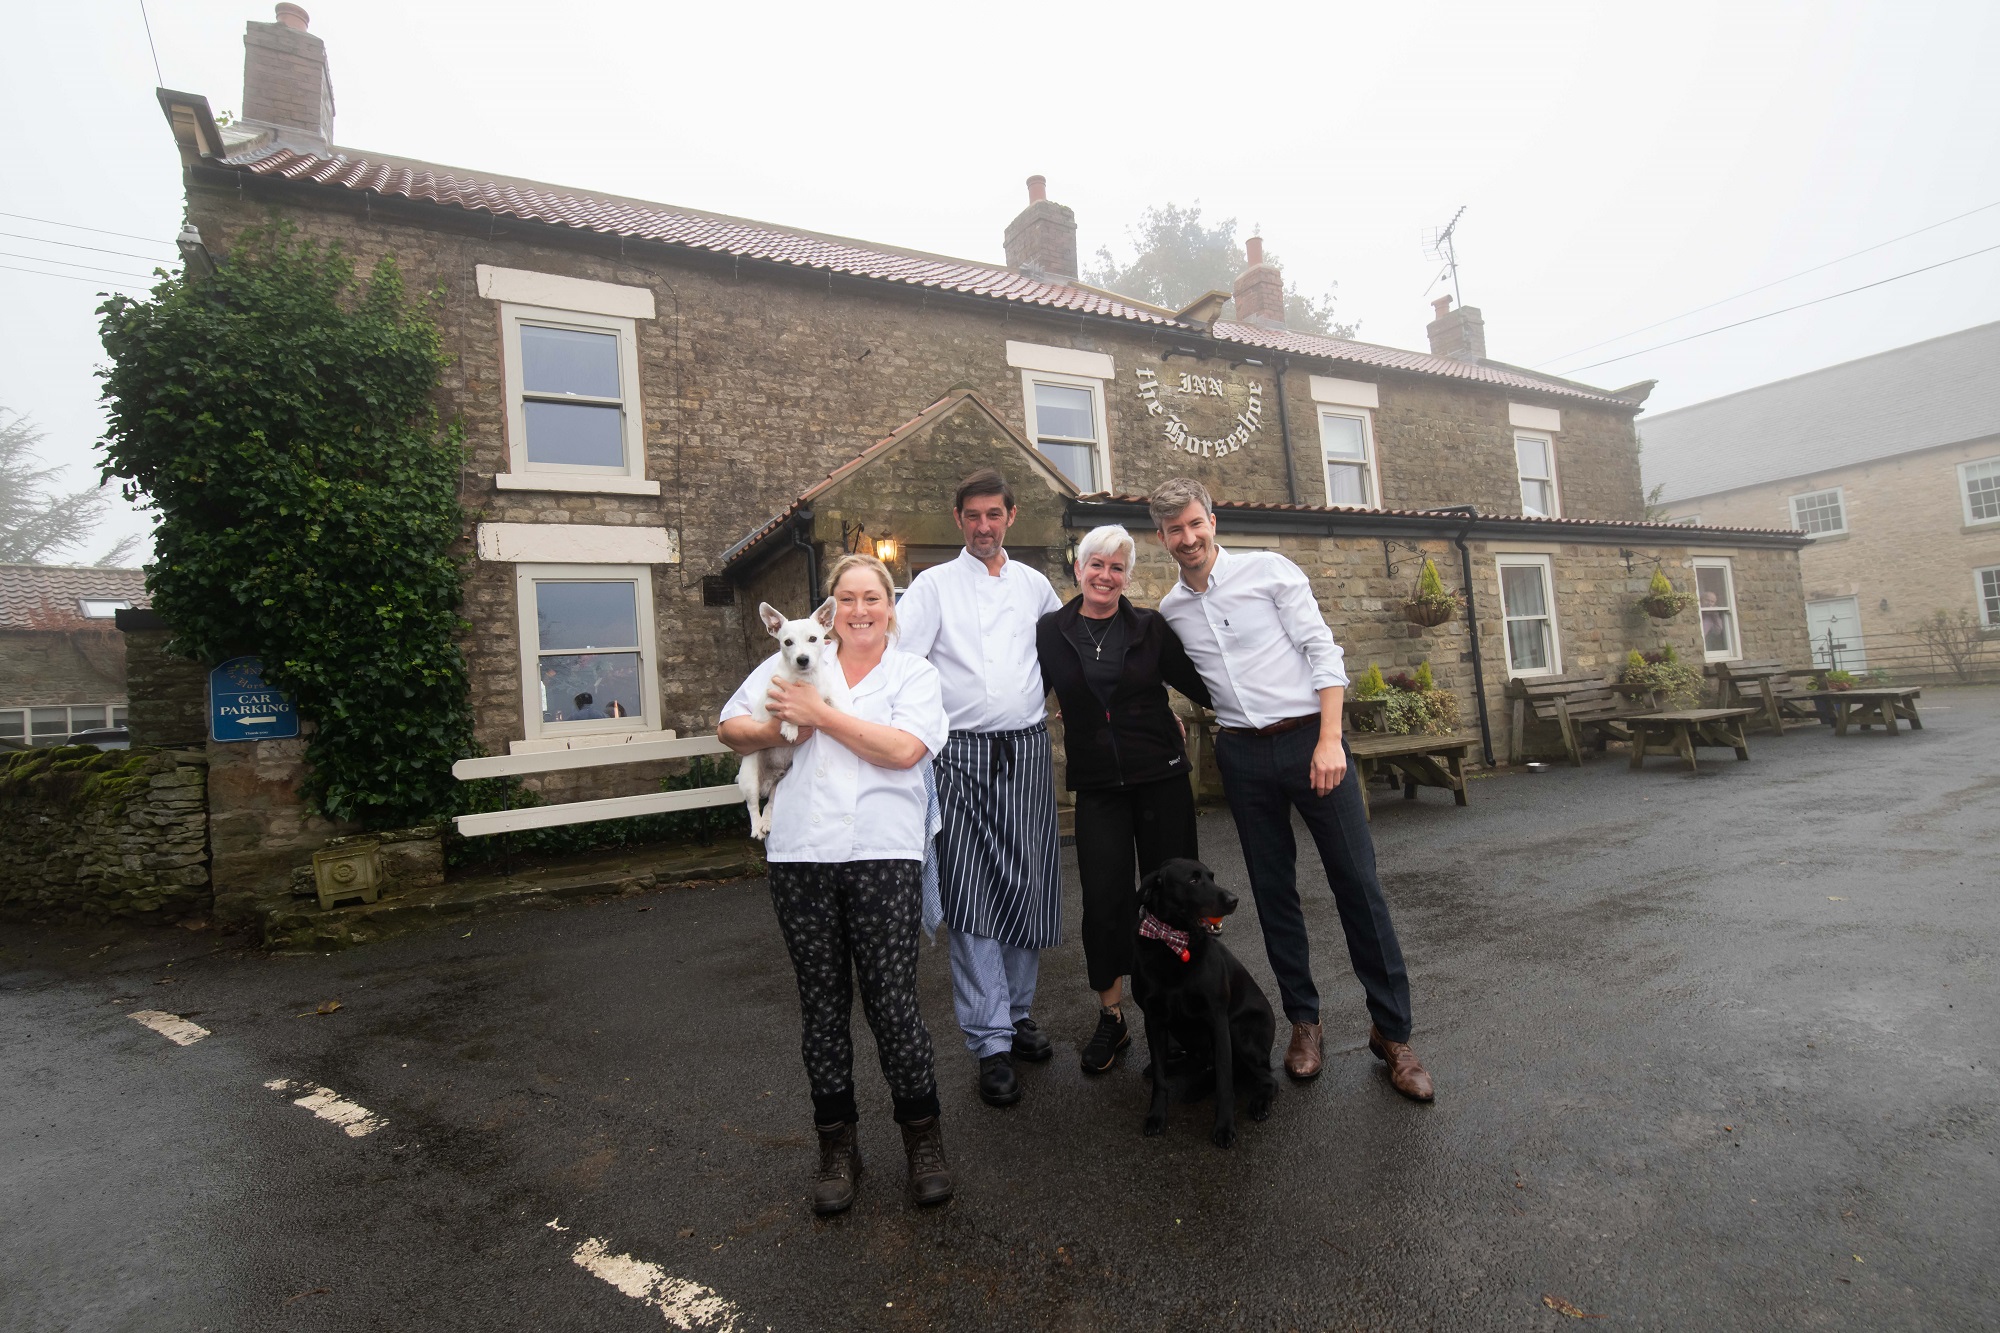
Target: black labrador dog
(1191, 986)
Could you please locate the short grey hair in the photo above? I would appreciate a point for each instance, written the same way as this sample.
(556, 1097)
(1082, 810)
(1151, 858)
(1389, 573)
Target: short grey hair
(1169, 498)
(1110, 538)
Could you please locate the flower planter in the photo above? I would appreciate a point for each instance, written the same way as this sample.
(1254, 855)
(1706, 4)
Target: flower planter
(1429, 614)
(1665, 608)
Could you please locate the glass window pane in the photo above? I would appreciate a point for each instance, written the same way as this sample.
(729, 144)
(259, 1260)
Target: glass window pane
(1533, 456)
(1528, 644)
(1525, 593)
(1078, 462)
(1536, 500)
(1982, 490)
(1346, 484)
(569, 616)
(1065, 411)
(118, 715)
(585, 686)
(48, 726)
(1711, 583)
(1819, 512)
(579, 434)
(569, 361)
(82, 717)
(1715, 636)
(13, 725)
(1989, 595)
(1343, 437)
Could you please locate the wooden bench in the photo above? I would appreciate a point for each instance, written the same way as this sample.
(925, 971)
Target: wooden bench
(1573, 704)
(1417, 761)
(1868, 706)
(1681, 730)
(1771, 688)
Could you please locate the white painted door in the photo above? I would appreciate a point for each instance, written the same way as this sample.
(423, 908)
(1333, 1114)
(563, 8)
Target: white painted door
(1835, 627)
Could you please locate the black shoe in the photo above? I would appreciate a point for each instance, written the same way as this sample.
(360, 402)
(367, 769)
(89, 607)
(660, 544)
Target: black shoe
(1031, 1043)
(1111, 1037)
(839, 1169)
(997, 1084)
(930, 1178)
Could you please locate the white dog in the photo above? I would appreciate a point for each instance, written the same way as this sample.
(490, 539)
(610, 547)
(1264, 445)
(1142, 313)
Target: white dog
(805, 653)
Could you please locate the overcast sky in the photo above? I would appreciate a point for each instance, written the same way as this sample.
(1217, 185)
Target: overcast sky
(1619, 164)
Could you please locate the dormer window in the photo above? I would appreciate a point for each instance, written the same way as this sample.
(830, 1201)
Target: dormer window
(102, 608)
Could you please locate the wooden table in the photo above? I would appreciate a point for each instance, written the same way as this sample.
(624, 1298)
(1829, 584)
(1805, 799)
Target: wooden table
(1682, 730)
(1418, 761)
(1883, 704)
(1769, 687)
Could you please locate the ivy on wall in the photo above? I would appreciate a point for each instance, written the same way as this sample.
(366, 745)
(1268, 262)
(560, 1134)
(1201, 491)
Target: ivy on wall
(279, 417)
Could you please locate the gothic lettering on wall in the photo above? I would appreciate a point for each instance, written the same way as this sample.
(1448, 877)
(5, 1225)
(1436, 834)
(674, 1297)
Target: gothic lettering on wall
(1211, 402)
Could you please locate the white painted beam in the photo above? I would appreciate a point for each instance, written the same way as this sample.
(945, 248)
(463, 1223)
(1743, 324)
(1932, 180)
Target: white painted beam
(583, 812)
(594, 756)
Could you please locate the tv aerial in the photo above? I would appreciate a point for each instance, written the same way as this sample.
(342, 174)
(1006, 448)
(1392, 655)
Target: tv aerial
(1438, 245)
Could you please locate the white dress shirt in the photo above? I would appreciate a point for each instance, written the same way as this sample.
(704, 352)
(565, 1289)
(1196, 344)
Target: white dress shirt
(978, 630)
(1257, 637)
(836, 806)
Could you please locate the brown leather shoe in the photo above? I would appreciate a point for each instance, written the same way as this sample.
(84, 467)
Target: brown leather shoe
(1406, 1073)
(1303, 1057)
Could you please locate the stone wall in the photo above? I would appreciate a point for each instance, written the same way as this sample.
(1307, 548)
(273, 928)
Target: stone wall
(169, 692)
(80, 665)
(260, 828)
(96, 834)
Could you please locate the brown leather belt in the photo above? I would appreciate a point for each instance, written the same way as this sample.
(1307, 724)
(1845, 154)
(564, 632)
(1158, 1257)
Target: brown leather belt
(1276, 728)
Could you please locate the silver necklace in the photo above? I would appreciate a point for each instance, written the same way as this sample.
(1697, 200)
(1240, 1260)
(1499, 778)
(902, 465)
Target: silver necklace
(1097, 641)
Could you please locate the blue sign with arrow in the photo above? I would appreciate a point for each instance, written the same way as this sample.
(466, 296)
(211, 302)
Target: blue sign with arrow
(241, 707)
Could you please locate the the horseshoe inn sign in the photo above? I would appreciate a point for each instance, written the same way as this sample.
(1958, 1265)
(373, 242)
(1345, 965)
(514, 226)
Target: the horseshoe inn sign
(1178, 393)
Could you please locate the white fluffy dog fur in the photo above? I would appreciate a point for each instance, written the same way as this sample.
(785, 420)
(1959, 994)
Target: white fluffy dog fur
(805, 653)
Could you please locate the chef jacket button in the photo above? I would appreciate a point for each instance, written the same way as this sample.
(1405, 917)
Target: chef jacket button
(820, 772)
(816, 819)
(847, 819)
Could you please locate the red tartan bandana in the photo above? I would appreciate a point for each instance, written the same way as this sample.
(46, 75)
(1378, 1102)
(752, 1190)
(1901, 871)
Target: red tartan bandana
(1152, 928)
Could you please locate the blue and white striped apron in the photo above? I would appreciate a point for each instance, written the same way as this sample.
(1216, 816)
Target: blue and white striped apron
(999, 858)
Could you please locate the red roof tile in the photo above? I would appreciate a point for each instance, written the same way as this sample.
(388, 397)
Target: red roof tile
(717, 234)
(1282, 507)
(51, 596)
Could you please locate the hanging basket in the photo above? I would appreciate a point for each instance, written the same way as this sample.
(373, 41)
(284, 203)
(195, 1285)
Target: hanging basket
(1666, 607)
(1429, 614)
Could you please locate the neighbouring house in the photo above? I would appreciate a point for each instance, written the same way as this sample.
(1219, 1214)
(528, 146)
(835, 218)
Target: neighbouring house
(672, 413)
(1890, 465)
(62, 664)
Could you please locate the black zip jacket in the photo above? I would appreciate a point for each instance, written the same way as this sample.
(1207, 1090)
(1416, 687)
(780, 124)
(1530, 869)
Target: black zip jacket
(1133, 739)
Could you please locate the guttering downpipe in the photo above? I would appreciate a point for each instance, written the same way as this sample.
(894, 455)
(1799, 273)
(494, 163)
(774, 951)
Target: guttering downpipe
(801, 525)
(1285, 434)
(1472, 625)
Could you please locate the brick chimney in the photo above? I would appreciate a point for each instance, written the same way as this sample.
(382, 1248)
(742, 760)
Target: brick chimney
(1459, 334)
(286, 87)
(1041, 242)
(1260, 290)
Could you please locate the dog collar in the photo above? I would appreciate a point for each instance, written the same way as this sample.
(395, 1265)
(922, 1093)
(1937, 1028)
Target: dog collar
(1152, 928)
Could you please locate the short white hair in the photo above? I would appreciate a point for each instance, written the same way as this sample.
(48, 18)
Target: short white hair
(1110, 538)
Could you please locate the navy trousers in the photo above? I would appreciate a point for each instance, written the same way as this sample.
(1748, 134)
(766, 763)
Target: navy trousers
(1266, 778)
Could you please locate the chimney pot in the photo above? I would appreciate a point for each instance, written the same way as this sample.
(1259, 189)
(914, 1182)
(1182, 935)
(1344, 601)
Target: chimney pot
(1041, 240)
(1459, 334)
(1038, 189)
(1442, 306)
(1255, 248)
(1259, 290)
(293, 17)
(286, 88)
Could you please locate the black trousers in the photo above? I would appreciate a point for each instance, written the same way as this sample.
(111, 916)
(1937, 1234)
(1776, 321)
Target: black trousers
(857, 919)
(1266, 778)
(1146, 823)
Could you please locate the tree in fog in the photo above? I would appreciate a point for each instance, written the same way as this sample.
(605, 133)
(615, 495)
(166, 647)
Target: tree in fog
(1176, 257)
(36, 522)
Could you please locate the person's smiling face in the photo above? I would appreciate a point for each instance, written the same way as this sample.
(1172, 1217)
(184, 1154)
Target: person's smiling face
(984, 520)
(1103, 578)
(861, 611)
(1189, 537)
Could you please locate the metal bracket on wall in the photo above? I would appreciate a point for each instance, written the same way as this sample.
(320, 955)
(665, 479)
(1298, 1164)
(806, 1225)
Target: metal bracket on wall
(1390, 546)
(1629, 556)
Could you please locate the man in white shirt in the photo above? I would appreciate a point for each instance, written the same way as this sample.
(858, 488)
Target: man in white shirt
(999, 861)
(1254, 630)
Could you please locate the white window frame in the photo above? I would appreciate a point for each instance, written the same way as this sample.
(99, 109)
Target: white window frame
(1368, 464)
(1839, 494)
(112, 605)
(526, 576)
(1728, 569)
(1990, 621)
(1101, 450)
(1965, 490)
(115, 715)
(1548, 441)
(1546, 564)
(629, 478)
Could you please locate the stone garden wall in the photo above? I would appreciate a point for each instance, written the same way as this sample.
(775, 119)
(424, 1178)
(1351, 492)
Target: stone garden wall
(97, 834)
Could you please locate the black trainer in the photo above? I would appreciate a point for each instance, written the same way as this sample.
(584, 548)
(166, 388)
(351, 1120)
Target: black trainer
(1111, 1037)
(1031, 1043)
(997, 1084)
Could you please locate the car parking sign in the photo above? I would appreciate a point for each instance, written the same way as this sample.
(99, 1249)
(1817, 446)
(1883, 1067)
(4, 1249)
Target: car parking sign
(241, 707)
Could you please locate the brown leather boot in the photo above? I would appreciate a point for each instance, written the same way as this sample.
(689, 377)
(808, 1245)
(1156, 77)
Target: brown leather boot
(839, 1169)
(1304, 1057)
(930, 1178)
(1406, 1073)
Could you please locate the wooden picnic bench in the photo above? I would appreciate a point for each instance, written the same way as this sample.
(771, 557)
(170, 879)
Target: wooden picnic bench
(1573, 704)
(1871, 705)
(1414, 760)
(1680, 730)
(1771, 688)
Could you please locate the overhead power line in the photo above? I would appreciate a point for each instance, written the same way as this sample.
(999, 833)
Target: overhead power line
(78, 226)
(70, 263)
(1818, 300)
(1644, 328)
(73, 277)
(149, 44)
(73, 245)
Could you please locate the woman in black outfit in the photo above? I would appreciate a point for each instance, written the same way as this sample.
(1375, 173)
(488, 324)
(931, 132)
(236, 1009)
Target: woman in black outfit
(1110, 663)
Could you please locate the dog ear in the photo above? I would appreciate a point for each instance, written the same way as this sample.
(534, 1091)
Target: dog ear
(824, 614)
(773, 618)
(1149, 891)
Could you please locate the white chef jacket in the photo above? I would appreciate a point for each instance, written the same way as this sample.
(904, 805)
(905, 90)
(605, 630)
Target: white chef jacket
(978, 630)
(1257, 637)
(836, 806)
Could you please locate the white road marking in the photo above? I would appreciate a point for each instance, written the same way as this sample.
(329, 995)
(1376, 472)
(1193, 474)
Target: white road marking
(171, 1026)
(688, 1306)
(331, 1107)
